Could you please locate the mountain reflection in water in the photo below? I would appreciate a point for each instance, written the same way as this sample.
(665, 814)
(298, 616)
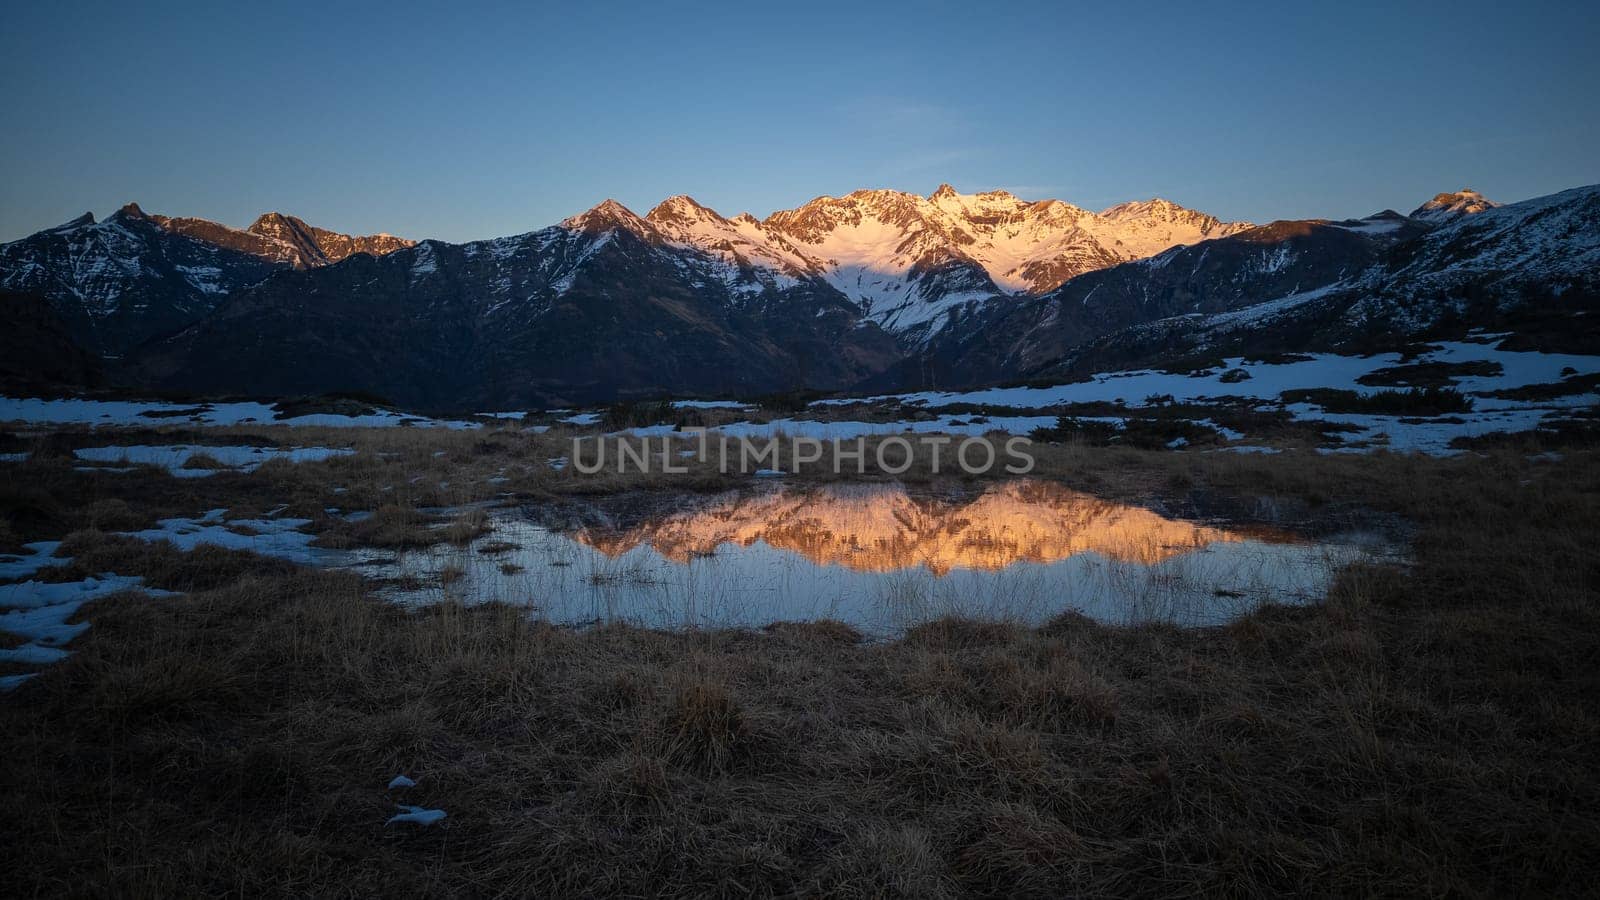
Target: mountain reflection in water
(882, 528)
(876, 556)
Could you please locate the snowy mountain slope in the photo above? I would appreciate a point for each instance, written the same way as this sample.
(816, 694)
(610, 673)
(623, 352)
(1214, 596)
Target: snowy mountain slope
(1531, 268)
(600, 307)
(890, 252)
(910, 261)
(1215, 276)
(752, 257)
(123, 280)
(1551, 242)
(1023, 246)
(135, 275)
(1145, 228)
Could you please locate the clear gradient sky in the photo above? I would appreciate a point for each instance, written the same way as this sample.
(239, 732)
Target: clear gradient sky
(434, 121)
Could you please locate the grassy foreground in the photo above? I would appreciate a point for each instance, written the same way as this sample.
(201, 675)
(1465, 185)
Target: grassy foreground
(1431, 730)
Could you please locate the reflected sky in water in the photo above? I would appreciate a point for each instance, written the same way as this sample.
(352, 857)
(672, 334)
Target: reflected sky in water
(878, 557)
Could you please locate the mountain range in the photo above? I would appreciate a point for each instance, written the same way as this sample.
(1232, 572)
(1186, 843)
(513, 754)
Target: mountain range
(119, 282)
(876, 289)
(280, 238)
(907, 260)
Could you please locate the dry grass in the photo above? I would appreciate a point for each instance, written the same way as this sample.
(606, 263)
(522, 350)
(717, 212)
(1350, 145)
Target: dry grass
(390, 526)
(202, 460)
(405, 475)
(467, 526)
(1426, 731)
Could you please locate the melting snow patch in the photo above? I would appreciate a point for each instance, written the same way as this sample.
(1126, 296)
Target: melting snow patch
(712, 404)
(140, 412)
(40, 594)
(417, 815)
(33, 654)
(827, 431)
(12, 682)
(1266, 383)
(270, 537)
(401, 781)
(38, 612)
(1267, 380)
(39, 555)
(1431, 435)
(173, 458)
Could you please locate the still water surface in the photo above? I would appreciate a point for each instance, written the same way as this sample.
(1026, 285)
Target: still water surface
(877, 557)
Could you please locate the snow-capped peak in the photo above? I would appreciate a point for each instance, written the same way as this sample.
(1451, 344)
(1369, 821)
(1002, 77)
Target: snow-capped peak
(1449, 206)
(680, 209)
(907, 258)
(1139, 209)
(608, 216)
(1156, 209)
(750, 255)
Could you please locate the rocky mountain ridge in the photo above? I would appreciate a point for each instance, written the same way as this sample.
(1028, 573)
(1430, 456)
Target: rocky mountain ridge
(911, 261)
(119, 282)
(876, 290)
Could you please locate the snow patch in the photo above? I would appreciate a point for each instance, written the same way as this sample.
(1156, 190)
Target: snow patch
(75, 411)
(173, 458)
(416, 815)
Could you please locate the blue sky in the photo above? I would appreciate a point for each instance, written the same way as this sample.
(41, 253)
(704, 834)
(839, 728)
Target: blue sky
(463, 123)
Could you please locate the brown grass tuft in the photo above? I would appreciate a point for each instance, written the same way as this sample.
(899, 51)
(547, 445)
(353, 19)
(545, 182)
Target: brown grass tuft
(703, 728)
(826, 630)
(203, 460)
(951, 633)
(467, 526)
(1017, 851)
(391, 526)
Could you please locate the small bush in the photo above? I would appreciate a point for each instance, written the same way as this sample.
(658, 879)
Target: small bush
(1068, 429)
(1148, 434)
(1430, 374)
(638, 414)
(112, 514)
(1414, 402)
(1570, 385)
